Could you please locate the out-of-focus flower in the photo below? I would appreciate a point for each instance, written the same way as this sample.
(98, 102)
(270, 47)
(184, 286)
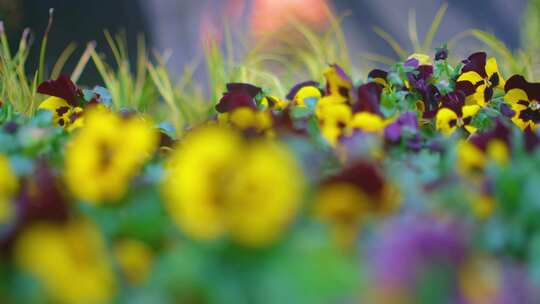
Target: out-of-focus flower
(407, 251)
(345, 199)
(250, 120)
(367, 122)
(484, 280)
(218, 185)
(333, 120)
(479, 77)
(482, 201)
(64, 101)
(69, 260)
(493, 145)
(417, 59)
(238, 95)
(379, 76)
(369, 98)
(338, 83)
(8, 188)
(238, 107)
(404, 127)
(524, 99)
(454, 114)
(40, 198)
(305, 94)
(135, 259)
(367, 116)
(106, 153)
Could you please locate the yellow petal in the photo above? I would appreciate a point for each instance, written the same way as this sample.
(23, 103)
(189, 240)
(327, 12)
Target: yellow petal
(443, 118)
(53, 103)
(367, 122)
(516, 95)
(423, 59)
(471, 110)
(492, 68)
(470, 76)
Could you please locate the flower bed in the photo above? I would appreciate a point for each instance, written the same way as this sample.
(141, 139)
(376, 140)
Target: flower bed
(416, 184)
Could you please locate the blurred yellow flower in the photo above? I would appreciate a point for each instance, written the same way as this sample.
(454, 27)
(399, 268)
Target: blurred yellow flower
(333, 120)
(220, 184)
(338, 83)
(368, 122)
(480, 279)
(307, 94)
(69, 260)
(344, 200)
(135, 260)
(246, 118)
(8, 187)
(106, 153)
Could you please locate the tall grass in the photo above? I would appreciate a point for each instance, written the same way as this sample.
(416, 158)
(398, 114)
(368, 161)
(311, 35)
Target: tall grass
(18, 82)
(129, 88)
(425, 46)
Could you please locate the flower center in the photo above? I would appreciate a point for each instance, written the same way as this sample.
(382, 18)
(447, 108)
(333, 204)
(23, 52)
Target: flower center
(460, 122)
(534, 105)
(487, 83)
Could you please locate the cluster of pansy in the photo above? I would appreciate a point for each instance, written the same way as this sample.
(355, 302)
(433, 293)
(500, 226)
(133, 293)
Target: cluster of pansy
(420, 178)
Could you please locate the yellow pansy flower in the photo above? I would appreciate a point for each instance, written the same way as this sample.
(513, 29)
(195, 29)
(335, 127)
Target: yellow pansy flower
(218, 184)
(106, 153)
(69, 260)
(479, 77)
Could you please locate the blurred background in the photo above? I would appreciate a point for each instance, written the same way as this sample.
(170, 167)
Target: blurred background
(181, 26)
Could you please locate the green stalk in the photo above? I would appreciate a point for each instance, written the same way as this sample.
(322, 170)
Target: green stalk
(41, 69)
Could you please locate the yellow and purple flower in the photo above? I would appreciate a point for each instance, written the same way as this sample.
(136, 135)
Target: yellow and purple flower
(346, 199)
(64, 101)
(239, 108)
(455, 115)
(338, 83)
(305, 94)
(524, 100)
(479, 78)
(106, 153)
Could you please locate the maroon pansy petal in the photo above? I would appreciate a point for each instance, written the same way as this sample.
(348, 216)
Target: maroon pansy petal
(500, 132)
(62, 87)
(369, 98)
(234, 100)
(362, 174)
(454, 101)
(466, 87)
(250, 89)
(477, 63)
(376, 73)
